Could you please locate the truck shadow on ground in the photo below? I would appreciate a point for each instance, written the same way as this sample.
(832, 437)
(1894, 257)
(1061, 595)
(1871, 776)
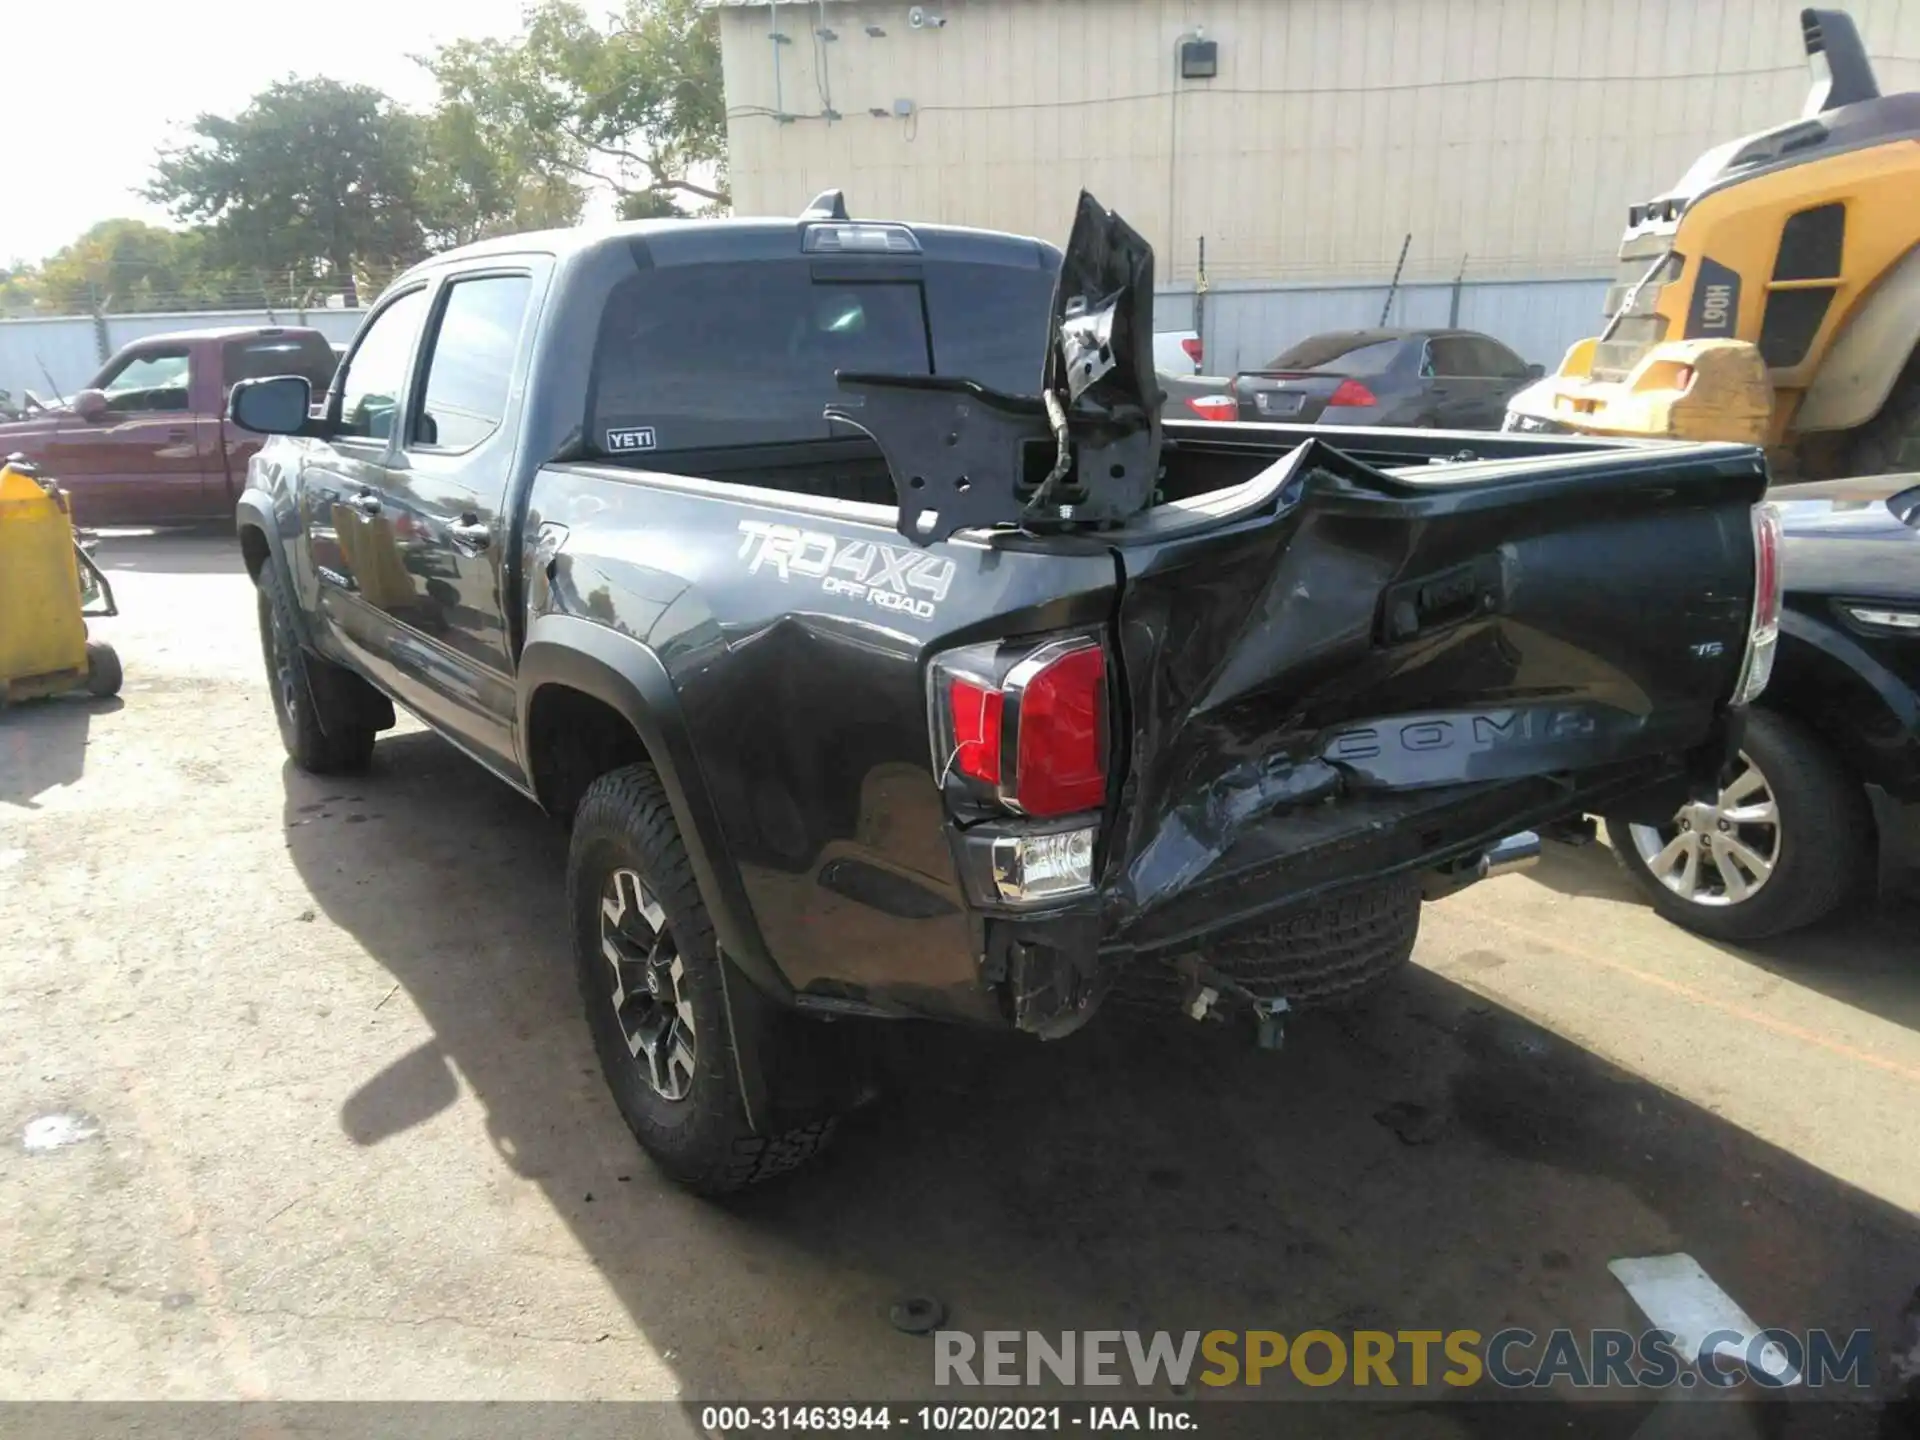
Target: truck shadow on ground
(1864, 956)
(1428, 1161)
(43, 745)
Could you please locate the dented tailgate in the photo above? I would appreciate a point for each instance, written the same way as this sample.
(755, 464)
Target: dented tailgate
(1363, 671)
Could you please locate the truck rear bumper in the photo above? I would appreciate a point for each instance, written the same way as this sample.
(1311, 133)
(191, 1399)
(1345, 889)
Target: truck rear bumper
(1055, 966)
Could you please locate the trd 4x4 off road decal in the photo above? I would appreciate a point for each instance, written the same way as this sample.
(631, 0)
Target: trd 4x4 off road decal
(892, 577)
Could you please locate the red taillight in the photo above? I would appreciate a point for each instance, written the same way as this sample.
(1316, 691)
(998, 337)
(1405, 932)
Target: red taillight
(1027, 727)
(1766, 567)
(1059, 766)
(1193, 348)
(1214, 407)
(1351, 392)
(976, 729)
(1764, 639)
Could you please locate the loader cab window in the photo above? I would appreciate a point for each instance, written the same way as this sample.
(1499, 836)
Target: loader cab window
(152, 382)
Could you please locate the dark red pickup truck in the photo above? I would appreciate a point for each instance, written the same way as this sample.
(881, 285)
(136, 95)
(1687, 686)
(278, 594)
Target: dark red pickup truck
(147, 441)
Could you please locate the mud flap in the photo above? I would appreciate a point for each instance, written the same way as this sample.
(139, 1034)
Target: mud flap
(790, 1069)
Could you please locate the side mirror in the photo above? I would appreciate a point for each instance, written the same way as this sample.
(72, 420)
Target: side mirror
(1536, 372)
(275, 406)
(91, 406)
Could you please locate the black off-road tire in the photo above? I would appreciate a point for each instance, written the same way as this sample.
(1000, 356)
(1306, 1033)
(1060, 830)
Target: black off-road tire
(1826, 840)
(1889, 444)
(704, 1140)
(328, 717)
(1323, 955)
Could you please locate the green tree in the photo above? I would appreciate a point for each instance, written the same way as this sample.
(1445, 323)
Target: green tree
(471, 189)
(19, 289)
(131, 265)
(635, 107)
(313, 177)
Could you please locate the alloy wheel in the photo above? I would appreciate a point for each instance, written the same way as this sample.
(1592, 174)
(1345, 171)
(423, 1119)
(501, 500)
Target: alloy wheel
(280, 645)
(647, 984)
(1718, 853)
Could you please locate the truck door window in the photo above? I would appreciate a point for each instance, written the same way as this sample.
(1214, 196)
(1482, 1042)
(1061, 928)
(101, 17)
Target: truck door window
(701, 356)
(152, 382)
(376, 370)
(471, 361)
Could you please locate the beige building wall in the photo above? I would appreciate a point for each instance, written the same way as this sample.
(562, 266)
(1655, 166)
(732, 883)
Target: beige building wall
(1510, 133)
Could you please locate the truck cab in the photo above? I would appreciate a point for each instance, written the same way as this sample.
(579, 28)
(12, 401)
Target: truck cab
(146, 440)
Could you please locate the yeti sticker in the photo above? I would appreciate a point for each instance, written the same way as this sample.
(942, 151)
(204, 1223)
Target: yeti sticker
(630, 438)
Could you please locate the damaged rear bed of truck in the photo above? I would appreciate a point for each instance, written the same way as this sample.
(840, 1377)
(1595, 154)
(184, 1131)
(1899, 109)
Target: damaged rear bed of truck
(1324, 673)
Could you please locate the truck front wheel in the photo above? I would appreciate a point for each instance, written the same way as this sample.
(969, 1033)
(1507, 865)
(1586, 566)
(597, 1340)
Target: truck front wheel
(656, 1003)
(328, 717)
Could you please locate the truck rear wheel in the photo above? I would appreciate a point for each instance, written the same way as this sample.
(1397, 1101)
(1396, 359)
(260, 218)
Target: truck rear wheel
(656, 1003)
(1782, 845)
(328, 717)
(1889, 444)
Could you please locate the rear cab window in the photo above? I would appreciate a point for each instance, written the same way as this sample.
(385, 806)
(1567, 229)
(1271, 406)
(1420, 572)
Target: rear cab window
(692, 357)
(1341, 354)
(264, 356)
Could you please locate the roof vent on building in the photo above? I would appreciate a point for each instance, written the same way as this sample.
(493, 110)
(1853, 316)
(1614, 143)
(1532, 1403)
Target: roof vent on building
(827, 205)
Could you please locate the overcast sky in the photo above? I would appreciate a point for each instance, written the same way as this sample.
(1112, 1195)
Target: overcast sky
(95, 88)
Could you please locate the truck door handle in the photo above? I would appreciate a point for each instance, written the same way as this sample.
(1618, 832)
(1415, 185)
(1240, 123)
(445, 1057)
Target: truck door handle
(471, 534)
(366, 502)
(177, 434)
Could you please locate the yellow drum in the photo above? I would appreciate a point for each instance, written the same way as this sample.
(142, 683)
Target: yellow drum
(47, 583)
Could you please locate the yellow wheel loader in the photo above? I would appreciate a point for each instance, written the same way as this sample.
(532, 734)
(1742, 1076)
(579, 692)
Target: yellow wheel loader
(1773, 295)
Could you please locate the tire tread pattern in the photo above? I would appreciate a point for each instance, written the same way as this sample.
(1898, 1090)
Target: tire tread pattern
(716, 1151)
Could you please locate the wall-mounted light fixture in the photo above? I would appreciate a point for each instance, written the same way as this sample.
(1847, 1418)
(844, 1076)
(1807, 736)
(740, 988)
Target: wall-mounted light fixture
(1199, 57)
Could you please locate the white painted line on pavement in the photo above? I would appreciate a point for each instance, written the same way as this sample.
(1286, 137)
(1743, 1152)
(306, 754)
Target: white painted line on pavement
(1678, 1296)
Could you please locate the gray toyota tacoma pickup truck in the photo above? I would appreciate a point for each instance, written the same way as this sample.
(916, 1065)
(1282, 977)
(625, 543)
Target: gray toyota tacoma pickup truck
(839, 585)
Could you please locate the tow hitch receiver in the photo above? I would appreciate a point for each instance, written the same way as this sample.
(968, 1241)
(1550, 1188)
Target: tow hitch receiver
(1206, 987)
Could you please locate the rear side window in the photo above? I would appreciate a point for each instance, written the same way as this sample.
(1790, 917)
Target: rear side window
(304, 355)
(1454, 356)
(1499, 360)
(472, 361)
(1344, 355)
(696, 357)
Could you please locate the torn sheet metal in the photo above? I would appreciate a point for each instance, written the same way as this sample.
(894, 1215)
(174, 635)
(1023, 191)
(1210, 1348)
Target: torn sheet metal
(1085, 452)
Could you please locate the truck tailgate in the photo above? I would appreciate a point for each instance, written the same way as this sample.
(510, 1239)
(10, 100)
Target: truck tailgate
(1338, 671)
